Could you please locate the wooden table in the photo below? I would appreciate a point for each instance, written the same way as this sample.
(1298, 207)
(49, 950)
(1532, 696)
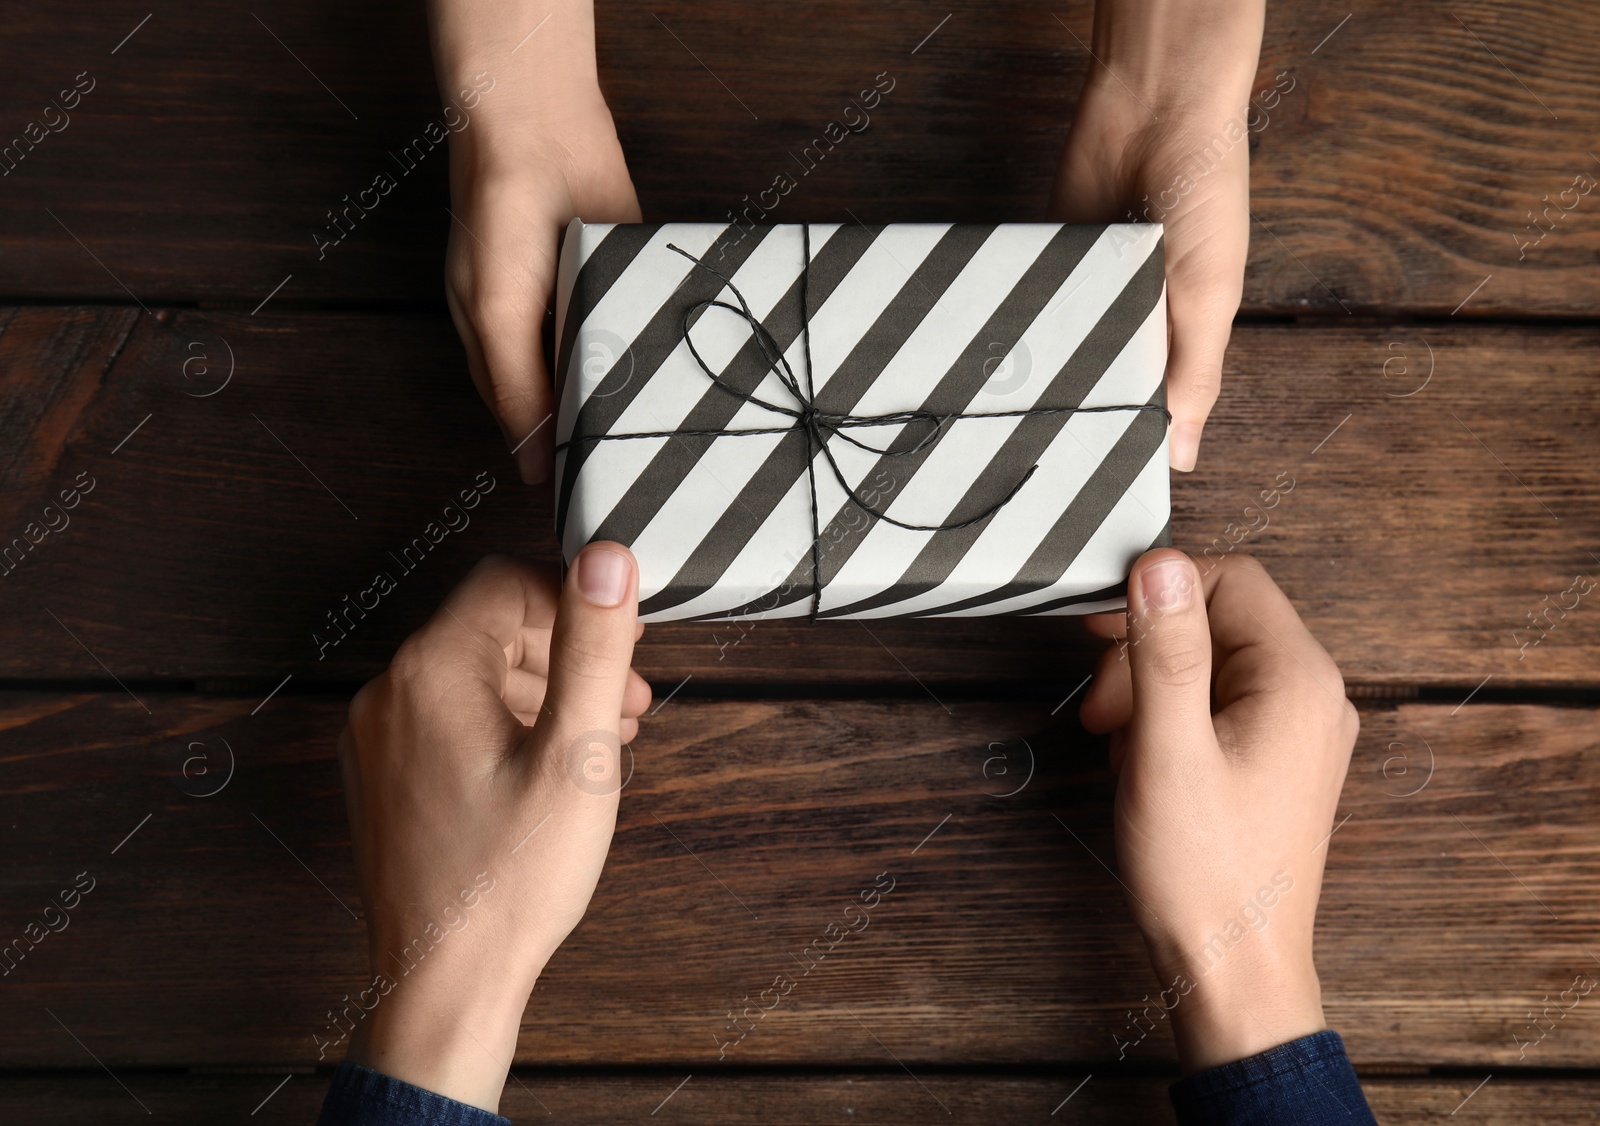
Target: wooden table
(1427, 383)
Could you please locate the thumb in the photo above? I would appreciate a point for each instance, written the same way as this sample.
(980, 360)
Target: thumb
(591, 648)
(510, 375)
(1200, 327)
(1207, 244)
(1169, 650)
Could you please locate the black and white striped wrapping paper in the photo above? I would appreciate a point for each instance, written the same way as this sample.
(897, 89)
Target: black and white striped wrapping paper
(956, 319)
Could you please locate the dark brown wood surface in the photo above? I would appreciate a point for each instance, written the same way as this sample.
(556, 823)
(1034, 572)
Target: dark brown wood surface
(1461, 889)
(1427, 511)
(1420, 368)
(1394, 167)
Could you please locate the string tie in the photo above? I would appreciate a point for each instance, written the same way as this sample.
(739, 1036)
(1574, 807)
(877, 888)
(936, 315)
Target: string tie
(821, 426)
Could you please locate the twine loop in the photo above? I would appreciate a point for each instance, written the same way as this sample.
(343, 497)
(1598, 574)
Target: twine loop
(820, 426)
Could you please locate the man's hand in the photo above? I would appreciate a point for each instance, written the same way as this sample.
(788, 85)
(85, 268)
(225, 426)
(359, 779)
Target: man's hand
(482, 773)
(541, 149)
(1160, 136)
(1231, 739)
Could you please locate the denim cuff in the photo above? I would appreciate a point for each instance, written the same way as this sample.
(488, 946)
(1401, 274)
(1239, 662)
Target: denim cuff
(1306, 1082)
(363, 1097)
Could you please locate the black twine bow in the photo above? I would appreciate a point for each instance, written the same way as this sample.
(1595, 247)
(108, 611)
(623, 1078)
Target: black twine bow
(820, 425)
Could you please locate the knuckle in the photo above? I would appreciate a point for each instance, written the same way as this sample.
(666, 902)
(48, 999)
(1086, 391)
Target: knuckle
(1329, 675)
(1325, 673)
(1210, 285)
(492, 571)
(497, 307)
(1245, 563)
(367, 704)
(410, 663)
(1350, 722)
(1319, 696)
(515, 394)
(496, 580)
(1202, 385)
(460, 277)
(585, 656)
(1181, 663)
(1335, 681)
(360, 704)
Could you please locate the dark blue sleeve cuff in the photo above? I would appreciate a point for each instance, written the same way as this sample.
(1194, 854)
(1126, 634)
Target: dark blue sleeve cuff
(1306, 1082)
(363, 1097)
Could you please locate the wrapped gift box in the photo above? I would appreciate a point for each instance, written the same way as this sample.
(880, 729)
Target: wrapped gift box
(837, 420)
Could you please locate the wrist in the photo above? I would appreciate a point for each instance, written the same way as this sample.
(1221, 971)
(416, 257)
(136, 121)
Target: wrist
(518, 140)
(1241, 1006)
(445, 1025)
(528, 68)
(1179, 56)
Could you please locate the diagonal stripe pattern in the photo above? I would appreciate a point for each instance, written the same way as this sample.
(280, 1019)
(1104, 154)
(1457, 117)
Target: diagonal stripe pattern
(899, 318)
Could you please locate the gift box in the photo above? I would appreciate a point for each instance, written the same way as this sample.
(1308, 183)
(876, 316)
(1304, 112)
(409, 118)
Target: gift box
(852, 421)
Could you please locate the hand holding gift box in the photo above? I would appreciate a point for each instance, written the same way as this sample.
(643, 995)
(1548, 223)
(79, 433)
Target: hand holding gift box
(844, 421)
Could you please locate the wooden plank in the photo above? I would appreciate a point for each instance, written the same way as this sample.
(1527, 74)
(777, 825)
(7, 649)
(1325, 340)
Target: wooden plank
(783, 1099)
(1398, 164)
(1461, 889)
(1425, 514)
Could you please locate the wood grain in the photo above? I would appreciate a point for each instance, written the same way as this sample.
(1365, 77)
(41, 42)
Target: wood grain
(710, 1098)
(1395, 170)
(1463, 888)
(1427, 511)
(264, 423)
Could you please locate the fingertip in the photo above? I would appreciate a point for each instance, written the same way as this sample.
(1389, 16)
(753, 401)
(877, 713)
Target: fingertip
(1183, 445)
(591, 644)
(605, 574)
(1170, 642)
(1093, 718)
(1162, 580)
(637, 696)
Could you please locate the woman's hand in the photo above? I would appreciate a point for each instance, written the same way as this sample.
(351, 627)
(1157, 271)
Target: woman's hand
(482, 773)
(540, 150)
(1160, 136)
(1231, 739)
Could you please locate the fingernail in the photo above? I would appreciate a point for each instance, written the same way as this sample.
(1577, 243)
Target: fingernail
(1183, 445)
(1167, 585)
(603, 576)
